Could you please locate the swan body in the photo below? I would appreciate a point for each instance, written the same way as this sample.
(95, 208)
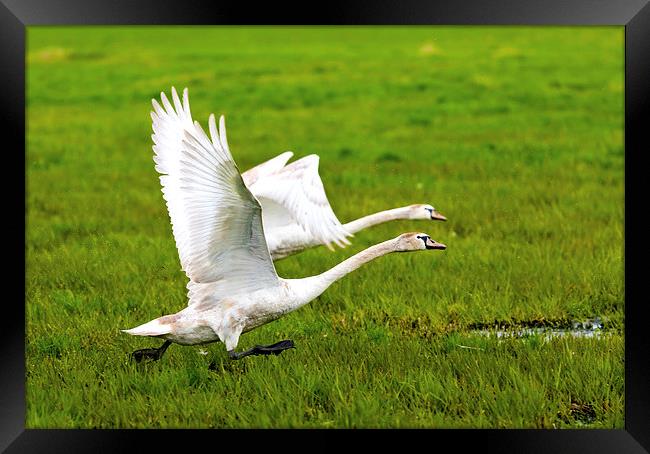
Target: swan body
(217, 225)
(215, 319)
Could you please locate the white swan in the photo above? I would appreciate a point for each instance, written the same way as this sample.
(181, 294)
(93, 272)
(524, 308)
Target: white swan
(296, 212)
(296, 209)
(217, 226)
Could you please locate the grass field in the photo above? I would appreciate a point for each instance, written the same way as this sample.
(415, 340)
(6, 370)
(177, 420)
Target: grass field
(514, 133)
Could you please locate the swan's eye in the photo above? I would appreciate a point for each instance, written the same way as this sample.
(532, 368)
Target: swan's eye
(430, 210)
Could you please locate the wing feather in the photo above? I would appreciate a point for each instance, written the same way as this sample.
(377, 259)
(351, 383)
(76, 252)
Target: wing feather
(216, 221)
(295, 194)
(266, 168)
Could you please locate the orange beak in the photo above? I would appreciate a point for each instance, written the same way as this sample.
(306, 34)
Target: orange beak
(437, 216)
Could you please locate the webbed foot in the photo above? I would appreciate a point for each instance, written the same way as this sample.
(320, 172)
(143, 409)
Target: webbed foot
(273, 349)
(153, 354)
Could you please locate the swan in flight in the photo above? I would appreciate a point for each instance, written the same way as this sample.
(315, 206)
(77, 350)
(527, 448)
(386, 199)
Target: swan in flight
(295, 211)
(217, 225)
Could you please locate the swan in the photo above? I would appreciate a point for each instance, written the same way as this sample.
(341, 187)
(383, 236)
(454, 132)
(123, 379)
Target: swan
(296, 212)
(295, 207)
(217, 226)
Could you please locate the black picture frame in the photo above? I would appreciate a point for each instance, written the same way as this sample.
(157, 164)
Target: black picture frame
(15, 15)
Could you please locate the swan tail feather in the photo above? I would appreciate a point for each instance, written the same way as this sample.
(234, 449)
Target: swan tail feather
(152, 328)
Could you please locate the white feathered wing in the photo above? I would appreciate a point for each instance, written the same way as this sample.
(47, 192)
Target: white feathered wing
(295, 195)
(216, 221)
(266, 168)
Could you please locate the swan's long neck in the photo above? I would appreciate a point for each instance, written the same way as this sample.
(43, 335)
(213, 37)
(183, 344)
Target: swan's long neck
(377, 218)
(311, 287)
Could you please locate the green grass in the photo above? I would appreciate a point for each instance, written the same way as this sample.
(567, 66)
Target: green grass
(514, 133)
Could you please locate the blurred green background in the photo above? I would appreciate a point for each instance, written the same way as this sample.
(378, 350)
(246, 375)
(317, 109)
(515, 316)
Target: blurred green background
(514, 133)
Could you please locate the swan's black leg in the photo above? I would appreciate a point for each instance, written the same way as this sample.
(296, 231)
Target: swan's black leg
(273, 349)
(153, 354)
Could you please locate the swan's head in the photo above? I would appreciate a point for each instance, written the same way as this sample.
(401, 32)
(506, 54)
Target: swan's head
(416, 242)
(424, 211)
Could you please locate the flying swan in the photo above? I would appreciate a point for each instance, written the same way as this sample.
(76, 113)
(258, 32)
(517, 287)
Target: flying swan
(296, 212)
(217, 225)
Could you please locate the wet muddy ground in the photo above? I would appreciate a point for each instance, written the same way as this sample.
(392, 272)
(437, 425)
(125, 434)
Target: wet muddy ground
(591, 328)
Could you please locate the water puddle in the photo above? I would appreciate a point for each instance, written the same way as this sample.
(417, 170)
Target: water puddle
(593, 328)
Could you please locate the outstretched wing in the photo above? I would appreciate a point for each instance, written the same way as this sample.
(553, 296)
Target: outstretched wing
(266, 168)
(295, 194)
(217, 222)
